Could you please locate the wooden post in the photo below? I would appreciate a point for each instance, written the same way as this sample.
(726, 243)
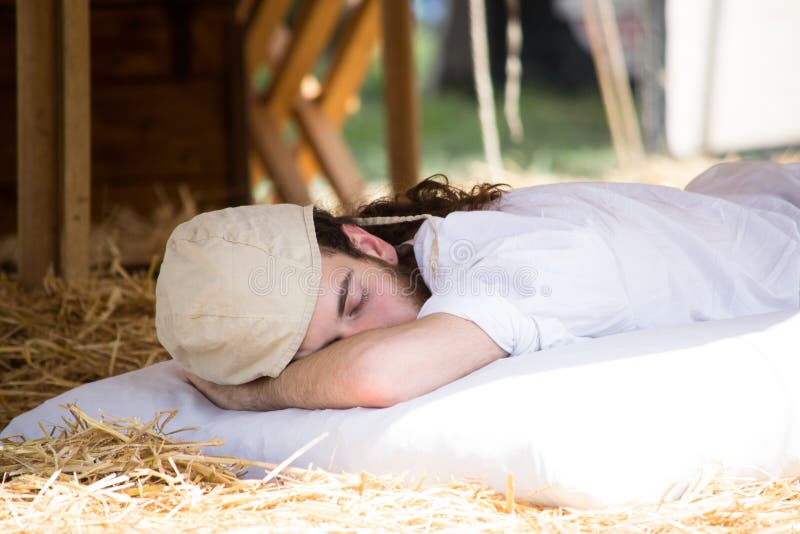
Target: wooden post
(400, 90)
(350, 62)
(619, 71)
(237, 97)
(53, 170)
(75, 138)
(331, 152)
(37, 139)
(276, 157)
(612, 75)
(315, 24)
(321, 145)
(265, 20)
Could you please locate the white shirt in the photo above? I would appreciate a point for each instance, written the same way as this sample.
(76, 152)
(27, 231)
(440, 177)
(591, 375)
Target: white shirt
(551, 264)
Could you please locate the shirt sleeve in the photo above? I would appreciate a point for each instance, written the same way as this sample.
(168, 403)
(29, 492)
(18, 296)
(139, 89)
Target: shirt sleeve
(529, 283)
(512, 330)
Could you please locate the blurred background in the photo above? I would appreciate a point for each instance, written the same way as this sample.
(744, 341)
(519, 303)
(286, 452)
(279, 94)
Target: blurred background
(732, 92)
(199, 104)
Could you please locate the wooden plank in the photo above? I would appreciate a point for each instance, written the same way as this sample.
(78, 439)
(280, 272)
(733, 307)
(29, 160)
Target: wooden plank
(265, 19)
(354, 51)
(609, 64)
(276, 51)
(150, 194)
(142, 129)
(130, 42)
(211, 28)
(605, 80)
(7, 45)
(402, 106)
(619, 73)
(310, 34)
(277, 158)
(237, 97)
(8, 210)
(75, 171)
(244, 10)
(350, 62)
(8, 137)
(331, 152)
(182, 134)
(149, 129)
(37, 142)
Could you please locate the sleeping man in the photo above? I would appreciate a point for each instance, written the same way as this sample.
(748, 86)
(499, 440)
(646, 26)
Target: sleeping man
(269, 307)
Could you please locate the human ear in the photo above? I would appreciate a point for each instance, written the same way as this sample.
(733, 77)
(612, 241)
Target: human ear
(370, 244)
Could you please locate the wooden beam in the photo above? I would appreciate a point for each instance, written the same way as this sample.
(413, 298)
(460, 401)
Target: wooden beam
(292, 55)
(75, 137)
(237, 97)
(400, 90)
(331, 152)
(354, 51)
(349, 65)
(266, 18)
(619, 72)
(612, 76)
(277, 158)
(37, 139)
(310, 34)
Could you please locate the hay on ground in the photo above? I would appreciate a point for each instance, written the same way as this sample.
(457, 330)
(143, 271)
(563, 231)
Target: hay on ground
(59, 337)
(121, 474)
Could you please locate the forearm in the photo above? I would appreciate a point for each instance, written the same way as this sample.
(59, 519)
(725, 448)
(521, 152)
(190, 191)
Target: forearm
(382, 367)
(414, 359)
(377, 368)
(329, 378)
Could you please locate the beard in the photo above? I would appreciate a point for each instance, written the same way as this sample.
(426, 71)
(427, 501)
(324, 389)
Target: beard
(407, 281)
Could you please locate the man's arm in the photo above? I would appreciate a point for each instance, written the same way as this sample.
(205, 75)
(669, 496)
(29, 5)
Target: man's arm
(376, 368)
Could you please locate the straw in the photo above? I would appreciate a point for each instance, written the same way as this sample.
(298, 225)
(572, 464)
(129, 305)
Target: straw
(57, 337)
(115, 474)
(89, 451)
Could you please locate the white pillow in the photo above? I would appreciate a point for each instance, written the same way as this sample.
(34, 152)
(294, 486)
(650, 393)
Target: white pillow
(623, 419)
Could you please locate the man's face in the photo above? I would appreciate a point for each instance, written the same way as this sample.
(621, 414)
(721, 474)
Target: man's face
(358, 294)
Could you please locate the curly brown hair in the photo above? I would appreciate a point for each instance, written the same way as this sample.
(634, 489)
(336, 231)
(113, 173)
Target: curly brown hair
(434, 196)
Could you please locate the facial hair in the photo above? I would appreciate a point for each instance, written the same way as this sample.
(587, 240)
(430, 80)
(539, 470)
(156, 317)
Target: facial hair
(406, 279)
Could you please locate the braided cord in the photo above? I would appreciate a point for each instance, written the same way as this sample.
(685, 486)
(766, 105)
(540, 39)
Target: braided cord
(392, 219)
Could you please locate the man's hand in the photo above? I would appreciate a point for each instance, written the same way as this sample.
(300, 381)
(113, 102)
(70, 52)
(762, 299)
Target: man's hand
(243, 397)
(377, 368)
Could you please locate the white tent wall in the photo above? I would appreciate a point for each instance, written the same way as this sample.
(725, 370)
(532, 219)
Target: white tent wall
(732, 81)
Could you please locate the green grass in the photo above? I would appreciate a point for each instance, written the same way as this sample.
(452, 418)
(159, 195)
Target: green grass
(565, 132)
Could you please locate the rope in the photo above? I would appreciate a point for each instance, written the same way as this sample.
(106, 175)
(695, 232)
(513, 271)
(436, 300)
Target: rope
(483, 87)
(392, 219)
(612, 75)
(513, 71)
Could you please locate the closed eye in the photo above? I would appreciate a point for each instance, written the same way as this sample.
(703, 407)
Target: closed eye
(360, 306)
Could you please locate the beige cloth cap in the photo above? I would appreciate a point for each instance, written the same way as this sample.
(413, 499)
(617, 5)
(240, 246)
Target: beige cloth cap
(237, 289)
